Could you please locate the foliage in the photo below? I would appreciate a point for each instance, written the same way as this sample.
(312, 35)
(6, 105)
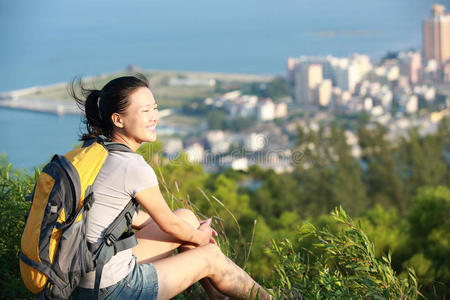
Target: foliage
(428, 246)
(13, 208)
(337, 266)
(328, 175)
(275, 89)
(385, 228)
(385, 186)
(217, 120)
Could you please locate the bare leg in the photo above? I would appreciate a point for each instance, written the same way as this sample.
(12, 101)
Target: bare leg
(178, 272)
(154, 244)
(210, 289)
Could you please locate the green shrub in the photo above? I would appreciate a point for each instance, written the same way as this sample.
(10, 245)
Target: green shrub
(323, 265)
(13, 208)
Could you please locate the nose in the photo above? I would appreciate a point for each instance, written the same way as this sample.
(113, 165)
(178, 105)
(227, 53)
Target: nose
(155, 116)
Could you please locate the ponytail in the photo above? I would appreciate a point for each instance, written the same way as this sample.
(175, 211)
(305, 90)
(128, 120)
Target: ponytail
(96, 124)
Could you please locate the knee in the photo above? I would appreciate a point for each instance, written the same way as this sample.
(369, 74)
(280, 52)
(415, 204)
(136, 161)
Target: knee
(213, 251)
(215, 258)
(188, 216)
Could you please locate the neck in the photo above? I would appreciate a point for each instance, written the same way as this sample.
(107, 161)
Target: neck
(119, 138)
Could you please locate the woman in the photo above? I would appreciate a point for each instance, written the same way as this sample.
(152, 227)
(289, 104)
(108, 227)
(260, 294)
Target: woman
(126, 112)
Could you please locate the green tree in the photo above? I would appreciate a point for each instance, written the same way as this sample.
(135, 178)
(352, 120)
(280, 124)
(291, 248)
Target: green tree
(215, 119)
(275, 89)
(385, 228)
(428, 246)
(348, 189)
(277, 195)
(384, 184)
(328, 175)
(423, 161)
(278, 88)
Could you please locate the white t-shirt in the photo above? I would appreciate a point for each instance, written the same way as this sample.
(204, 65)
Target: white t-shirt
(121, 177)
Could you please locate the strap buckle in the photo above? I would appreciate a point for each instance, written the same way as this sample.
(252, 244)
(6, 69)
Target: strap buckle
(129, 218)
(110, 239)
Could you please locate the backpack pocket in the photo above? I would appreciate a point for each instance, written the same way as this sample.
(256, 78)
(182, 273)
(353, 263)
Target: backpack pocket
(73, 260)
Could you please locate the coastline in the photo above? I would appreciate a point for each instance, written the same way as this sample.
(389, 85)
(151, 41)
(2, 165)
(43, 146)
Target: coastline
(41, 105)
(54, 98)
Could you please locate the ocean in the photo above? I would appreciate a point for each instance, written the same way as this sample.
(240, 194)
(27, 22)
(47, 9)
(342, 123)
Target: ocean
(51, 41)
(29, 139)
(45, 42)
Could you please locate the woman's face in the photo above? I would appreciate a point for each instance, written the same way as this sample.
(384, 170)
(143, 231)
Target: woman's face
(140, 118)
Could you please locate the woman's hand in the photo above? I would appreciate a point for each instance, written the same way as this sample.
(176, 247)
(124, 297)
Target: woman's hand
(153, 202)
(208, 231)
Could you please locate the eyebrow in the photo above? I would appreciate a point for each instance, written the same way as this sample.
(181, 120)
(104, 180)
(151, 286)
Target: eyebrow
(150, 105)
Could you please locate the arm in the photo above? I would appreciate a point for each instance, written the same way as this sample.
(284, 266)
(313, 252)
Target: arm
(153, 202)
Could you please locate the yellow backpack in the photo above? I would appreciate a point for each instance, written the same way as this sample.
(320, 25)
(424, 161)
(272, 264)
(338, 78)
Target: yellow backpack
(54, 251)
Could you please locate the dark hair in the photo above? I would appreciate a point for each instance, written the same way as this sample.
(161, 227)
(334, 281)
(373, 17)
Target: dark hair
(99, 105)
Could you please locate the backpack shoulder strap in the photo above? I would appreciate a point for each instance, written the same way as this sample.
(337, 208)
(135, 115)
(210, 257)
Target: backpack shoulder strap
(116, 240)
(112, 146)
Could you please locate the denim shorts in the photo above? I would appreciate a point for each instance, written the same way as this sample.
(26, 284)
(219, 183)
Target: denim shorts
(141, 283)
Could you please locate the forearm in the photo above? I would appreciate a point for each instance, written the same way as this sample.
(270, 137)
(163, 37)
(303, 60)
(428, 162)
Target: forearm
(184, 231)
(153, 202)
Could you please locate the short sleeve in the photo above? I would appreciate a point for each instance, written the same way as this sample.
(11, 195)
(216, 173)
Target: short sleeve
(140, 176)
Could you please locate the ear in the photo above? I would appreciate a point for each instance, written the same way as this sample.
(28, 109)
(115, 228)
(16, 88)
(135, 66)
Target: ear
(117, 120)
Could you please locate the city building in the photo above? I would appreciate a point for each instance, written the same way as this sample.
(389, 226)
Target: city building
(238, 164)
(385, 98)
(410, 103)
(431, 71)
(307, 77)
(173, 147)
(410, 65)
(367, 103)
(426, 92)
(347, 72)
(310, 72)
(217, 141)
(281, 110)
(291, 62)
(255, 142)
(324, 93)
(446, 72)
(195, 152)
(265, 110)
(436, 34)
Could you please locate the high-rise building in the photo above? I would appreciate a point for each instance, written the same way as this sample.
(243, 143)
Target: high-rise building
(307, 77)
(436, 34)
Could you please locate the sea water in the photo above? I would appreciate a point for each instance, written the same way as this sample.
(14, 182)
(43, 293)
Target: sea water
(48, 41)
(29, 139)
